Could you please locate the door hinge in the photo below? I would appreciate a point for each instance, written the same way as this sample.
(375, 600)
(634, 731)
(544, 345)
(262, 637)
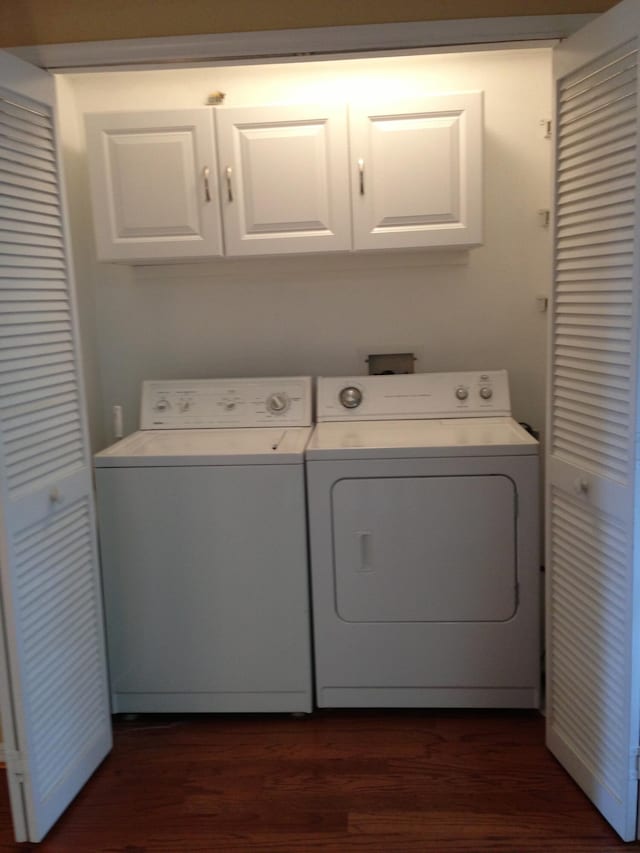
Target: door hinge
(546, 126)
(635, 763)
(15, 763)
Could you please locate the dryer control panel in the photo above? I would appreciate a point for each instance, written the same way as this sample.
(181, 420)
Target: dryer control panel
(219, 403)
(470, 394)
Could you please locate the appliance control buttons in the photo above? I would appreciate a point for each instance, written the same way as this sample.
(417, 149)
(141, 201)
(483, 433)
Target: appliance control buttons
(350, 397)
(461, 392)
(486, 392)
(162, 405)
(278, 403)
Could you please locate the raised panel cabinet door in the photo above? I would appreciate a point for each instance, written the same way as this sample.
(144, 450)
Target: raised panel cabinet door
(284, 178)
(416, 170)
(153, 185)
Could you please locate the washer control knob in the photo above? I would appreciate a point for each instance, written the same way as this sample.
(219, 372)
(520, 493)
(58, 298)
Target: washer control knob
(350, 397)
(461, 392)
(278, 403)
(486, 392)
(229, 405)
(162, 405)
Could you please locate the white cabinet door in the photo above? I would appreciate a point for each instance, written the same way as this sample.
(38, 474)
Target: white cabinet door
(153, 185)
(53, 685)
(284, 179)
(417, 172)
(593, 570)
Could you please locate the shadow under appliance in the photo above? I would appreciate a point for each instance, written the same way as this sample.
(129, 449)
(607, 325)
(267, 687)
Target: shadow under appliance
(423, 525)
(204, 549)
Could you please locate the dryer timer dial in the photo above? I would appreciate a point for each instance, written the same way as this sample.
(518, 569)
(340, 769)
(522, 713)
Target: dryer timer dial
(350, 397)
(278, 403)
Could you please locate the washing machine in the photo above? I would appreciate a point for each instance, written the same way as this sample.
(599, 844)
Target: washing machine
(203, 549)
(423, 524)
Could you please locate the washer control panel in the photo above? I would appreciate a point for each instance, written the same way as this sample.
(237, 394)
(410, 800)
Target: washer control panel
(219, 403)
(414, 396)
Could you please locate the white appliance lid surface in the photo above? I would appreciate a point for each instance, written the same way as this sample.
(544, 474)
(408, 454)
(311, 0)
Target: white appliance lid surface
(428, 437)
(207, 447)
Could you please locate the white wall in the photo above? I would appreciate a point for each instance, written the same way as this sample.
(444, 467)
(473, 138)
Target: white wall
(322, 314)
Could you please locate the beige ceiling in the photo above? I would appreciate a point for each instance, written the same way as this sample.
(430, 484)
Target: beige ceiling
(28, 22)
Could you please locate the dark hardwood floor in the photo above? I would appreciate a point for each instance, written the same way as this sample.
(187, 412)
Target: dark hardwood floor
(375, 781)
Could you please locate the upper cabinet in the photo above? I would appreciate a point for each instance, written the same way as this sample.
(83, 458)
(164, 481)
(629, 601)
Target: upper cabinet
(287, 178)
(154, 185)
(284, 174)
(417, 172)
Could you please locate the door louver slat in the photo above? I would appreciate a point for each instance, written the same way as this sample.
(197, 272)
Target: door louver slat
(591, 631)
(74, 650)
(595, 231)
(34, 304)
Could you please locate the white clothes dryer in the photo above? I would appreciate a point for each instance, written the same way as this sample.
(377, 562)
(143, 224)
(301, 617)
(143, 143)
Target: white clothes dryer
(423, 525)
(204, 549)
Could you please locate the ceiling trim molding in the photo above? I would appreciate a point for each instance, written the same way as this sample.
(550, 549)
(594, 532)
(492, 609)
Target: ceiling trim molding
(297, 44)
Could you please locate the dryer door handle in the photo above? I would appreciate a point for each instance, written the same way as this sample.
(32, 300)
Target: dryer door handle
(364, 538)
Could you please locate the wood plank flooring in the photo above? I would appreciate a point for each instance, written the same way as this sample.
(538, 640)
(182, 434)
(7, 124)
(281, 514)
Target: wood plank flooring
(373, 781)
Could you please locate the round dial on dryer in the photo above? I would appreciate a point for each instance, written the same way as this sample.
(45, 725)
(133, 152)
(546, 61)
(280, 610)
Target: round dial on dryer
(162, 405)
(486, 392)
(278, 403)
(461, 392)
(350, 397)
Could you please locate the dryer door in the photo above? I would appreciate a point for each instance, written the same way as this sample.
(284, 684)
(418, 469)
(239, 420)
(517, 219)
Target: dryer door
(425, 549)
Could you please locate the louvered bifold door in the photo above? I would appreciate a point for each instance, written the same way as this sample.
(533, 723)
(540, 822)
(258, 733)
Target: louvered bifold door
(592, 574)
(55, 709)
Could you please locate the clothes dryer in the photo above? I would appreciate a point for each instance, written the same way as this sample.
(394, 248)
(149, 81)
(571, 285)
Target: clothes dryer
(423, 525)
(204, 549)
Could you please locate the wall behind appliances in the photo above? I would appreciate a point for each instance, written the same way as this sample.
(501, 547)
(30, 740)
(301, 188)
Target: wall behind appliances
(321, 314)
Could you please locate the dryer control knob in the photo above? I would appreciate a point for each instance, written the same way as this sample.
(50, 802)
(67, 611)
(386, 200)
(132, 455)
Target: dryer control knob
(486, 392)
(277, 404)
(350, 397)
(461, 392)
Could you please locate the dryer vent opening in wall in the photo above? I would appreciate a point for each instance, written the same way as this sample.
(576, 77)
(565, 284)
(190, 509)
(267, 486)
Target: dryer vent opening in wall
(394, 362)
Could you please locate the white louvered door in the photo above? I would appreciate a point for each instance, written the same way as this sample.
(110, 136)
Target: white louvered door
(53, 690)
(593, 595)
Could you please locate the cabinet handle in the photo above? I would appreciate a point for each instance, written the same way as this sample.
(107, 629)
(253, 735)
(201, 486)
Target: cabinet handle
(228, 172)
(361, 173)
(205, 175)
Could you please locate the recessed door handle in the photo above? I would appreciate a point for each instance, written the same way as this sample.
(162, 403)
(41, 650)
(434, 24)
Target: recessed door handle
(366, 564)
(205, 176)
(361, 175)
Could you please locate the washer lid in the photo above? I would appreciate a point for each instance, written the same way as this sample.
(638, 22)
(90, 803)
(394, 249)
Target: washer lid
(249, 446)
(452, 437)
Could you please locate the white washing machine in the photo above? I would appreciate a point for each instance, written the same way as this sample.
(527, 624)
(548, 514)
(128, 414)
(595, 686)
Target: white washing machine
(423, 524)
(204, 549)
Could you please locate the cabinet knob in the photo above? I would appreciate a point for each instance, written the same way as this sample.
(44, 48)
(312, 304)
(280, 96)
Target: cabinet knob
(581, 486)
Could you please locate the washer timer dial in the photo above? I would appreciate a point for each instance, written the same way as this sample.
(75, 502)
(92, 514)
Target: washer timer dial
(278, 403)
